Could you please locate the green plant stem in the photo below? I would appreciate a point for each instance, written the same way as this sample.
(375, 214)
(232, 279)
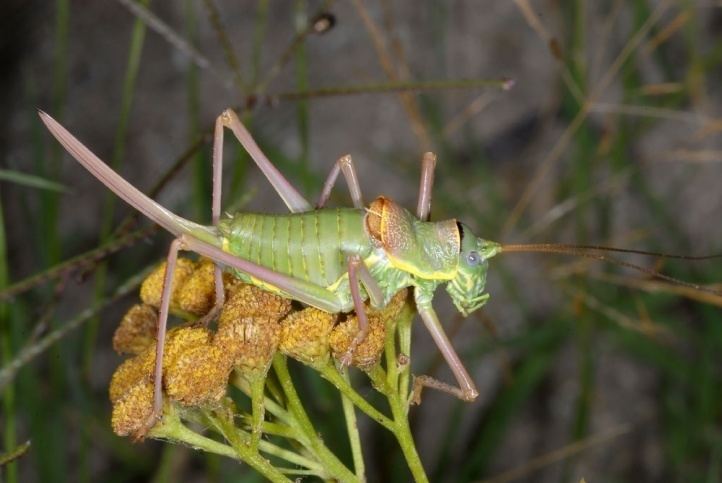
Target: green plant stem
(354, 438)
(406, 441)
(392, 374)
(207, 419)
(404, 331)
(269, 404)
(292, 457)
(329, 460)
(273, 429)
(397, 393)
(257, 410)
(173, 429)
(331, 374)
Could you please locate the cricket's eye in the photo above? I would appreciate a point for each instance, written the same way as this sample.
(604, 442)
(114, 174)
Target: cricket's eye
(473, 258)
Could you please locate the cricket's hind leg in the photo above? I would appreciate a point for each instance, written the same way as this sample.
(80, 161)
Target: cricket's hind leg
(346, 166)
(466, 390)
(216, 198)
(293, 199)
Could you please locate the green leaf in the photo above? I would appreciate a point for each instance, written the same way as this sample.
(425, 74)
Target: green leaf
(31, 181)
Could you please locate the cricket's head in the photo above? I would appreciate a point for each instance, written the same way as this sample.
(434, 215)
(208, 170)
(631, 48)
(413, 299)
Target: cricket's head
(467, 287)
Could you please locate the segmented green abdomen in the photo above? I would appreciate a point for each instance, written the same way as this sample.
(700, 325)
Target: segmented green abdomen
(309, 245)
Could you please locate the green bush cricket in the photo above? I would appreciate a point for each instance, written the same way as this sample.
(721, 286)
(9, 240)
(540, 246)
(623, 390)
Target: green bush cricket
(333, 259)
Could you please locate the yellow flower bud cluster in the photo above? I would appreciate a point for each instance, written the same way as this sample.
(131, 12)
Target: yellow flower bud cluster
(249, 327)
(369, 351)
(252, 326)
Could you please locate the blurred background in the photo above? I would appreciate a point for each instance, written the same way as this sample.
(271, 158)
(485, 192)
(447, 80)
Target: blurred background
(610, 135)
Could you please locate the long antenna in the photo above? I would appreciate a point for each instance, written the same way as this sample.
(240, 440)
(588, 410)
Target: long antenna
(595, 252)
(556, 247)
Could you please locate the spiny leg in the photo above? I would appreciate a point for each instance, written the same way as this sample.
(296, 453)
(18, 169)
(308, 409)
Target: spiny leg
(426, 185)
(217, 183)
(466, 389)
(171, 260)
(345, 165)
(354, 263)
(293, 199)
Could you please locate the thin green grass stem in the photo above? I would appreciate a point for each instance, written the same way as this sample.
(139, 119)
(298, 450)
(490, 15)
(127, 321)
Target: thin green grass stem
(6, 351)
(354, 437)
(30, 352)
(332, 375)
(387, 382)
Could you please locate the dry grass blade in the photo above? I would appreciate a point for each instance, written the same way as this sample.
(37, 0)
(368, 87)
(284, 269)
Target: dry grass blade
(536, 24)
(657, 286)
(653, 112)
(554, 155)
(642, 325)
(31, 351)
(561, 454)
(288, 52)
(14, 454)
(699, 156)
(478, 104)
(667, 31)
(387, 63)
(661, 88)
(231, 59)
(567, 206)
(80, 262)
(154, 22)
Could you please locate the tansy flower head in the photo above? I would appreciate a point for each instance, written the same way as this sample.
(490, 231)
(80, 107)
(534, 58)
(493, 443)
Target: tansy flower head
(132, 412)
(197, 293)
(198, 375)
(152, 287)
(392, 309)
(130, 373)
(180, 339)
(136, 331)
(249, 342)
(369, 351)
(305, 334)
(248, 327)
(245, 300)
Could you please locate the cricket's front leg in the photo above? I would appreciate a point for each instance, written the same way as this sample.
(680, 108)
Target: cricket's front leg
(466, 390)
(216, 197)
(356, 267)
(426, 185)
